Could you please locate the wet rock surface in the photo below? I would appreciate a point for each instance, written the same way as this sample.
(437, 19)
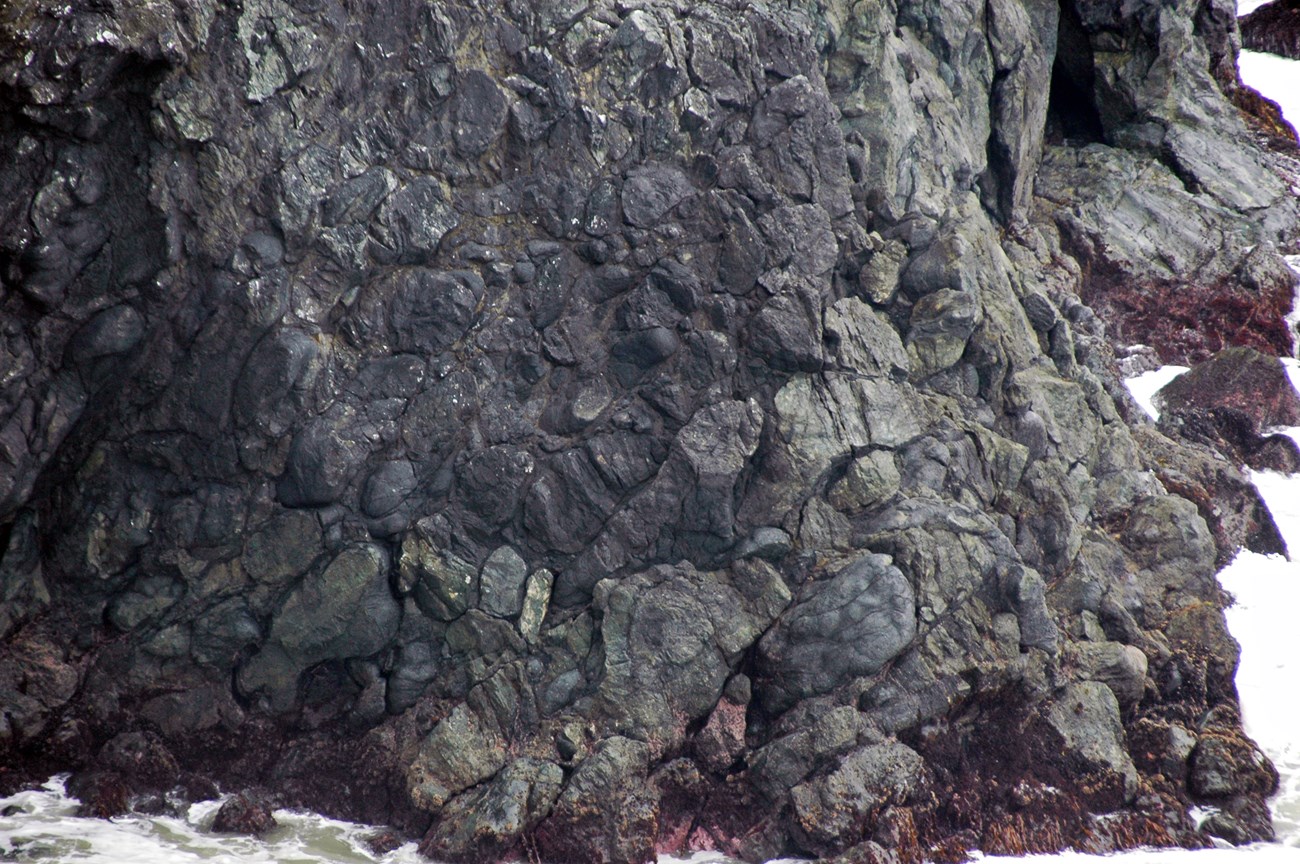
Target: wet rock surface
(580, 433)
(1236, 401)
(1274, 28)
(243, 814)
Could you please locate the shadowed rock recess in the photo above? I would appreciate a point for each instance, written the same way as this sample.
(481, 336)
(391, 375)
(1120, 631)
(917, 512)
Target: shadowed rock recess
(575, 431)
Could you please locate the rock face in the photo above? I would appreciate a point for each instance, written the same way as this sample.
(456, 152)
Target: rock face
(580, 431)
(1273, 27)
(1235, 401)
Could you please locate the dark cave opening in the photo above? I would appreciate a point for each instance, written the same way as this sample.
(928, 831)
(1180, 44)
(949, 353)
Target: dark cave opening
(1072, 114)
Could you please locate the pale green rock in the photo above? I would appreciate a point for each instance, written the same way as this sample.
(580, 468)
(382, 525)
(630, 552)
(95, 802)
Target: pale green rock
(878, 279)
(495, 815)
(462, 750)
(867, 343)
(941, 325)
(830, 808)
(536, 599)
(444, 584)
(1122, 668)
(278, 49)
(870, 480)
(502, 583)
(822, 419)
(1086, 715)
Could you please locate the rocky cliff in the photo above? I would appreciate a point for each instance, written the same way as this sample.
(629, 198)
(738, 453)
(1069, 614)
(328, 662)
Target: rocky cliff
(575, 430)
(1273, 27)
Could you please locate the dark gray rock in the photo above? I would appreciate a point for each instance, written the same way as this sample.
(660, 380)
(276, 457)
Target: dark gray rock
(344, 610)
(324, 459)
(1242, 820)
(242, 814)
(272, 386)
(414, 667)
(491, 481)
(478, 113)
(846, 626)
(355, 199)
(786, 333)
(141, 759)
(646, 348)
(430, 311)
(411, 223)
(800, 238)
(388, 487)
(766, 542)
(113, 331)
(650, 192)
(565, 431)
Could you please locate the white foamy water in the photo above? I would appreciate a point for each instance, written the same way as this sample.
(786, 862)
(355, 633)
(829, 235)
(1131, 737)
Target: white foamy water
(1275, 77)
(1145, 386)
(46, 828)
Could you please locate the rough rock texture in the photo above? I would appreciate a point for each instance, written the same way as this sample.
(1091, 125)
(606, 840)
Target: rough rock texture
(1236, 402)
(575, 431)
(240, 814)
(1273, 27)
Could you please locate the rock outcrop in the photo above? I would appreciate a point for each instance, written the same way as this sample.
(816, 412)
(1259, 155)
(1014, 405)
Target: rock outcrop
(1274, 28)
(577, 431)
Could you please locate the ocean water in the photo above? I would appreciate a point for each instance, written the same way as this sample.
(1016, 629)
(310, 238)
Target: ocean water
(46, 829)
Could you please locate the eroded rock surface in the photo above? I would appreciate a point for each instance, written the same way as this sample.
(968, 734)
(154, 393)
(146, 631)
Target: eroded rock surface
(1273, 27)
(581, 431)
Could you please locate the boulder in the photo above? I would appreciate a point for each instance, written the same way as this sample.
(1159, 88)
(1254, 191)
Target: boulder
(503, 581)
(832, 810)
(1234, 401)
(1122, 668)
(1223, 766)
(606, 809)
(244, 814)
(650, 192)
(344, 610)
(845, 626)
(493, 818)
(102, 794)
(462, 750)
(1087, 719)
